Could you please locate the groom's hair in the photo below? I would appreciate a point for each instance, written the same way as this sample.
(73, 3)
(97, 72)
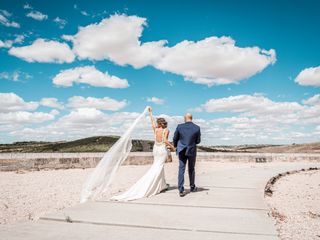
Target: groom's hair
(162, 122)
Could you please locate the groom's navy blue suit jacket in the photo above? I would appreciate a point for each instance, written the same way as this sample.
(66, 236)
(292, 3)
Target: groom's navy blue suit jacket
(187, 136)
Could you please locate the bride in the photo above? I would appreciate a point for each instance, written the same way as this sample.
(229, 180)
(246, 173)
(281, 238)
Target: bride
(153, 182)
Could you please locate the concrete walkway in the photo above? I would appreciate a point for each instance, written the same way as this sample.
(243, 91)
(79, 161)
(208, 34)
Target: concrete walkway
(229, 205)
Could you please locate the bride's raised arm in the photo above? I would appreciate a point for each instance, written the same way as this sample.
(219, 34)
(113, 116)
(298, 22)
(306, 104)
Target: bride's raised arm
(153, 123)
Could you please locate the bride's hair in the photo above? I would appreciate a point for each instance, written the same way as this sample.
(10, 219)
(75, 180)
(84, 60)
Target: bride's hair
(162, 122)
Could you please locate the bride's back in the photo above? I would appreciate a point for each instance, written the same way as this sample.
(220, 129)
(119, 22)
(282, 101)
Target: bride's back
(159, 134)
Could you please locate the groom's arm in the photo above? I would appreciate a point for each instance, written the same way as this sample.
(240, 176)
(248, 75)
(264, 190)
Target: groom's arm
(176, 137)
(198, 137)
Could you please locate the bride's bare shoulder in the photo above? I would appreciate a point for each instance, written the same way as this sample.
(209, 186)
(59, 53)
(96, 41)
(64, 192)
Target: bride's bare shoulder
(166, 132)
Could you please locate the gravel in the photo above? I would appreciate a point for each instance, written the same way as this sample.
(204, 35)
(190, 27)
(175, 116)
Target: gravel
(295, 205)
(28, 195)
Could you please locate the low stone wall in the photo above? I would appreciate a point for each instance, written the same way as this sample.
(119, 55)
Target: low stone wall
(38, 161)
(257, 157)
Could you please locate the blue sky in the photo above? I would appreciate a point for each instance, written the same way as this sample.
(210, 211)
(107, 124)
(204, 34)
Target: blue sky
(248, 70)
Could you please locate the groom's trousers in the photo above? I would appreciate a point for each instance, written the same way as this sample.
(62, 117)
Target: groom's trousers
(183, 159)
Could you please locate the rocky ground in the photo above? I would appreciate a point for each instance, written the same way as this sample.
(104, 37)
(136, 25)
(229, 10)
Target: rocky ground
(295, 204)
(28, 195)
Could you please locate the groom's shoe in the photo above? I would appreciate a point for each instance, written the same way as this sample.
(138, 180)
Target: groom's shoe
(182, 194)
(194, 189)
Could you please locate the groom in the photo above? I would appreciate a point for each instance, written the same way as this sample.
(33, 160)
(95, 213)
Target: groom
(185, 140)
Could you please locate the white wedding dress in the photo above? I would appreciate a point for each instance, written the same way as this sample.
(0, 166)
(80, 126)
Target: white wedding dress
(153, 181)
(102, 176)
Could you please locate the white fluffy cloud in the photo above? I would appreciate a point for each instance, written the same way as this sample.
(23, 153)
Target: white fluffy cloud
(4, 19)
(23, 117)
(155, 100)
(251, 105)
(11, 102)
(89, 75)
(257, 119)
(116, 39)
(8, 43)
(51, 102)
(314, 100)
(14, 110)
(36, 15)
(5, 44)
(105, 103)
(211, 61)
(42, 50)
(82, 117)
(309, 77)
(84, 122)
(215, 61)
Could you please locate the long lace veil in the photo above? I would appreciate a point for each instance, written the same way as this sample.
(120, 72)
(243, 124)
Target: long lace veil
(102, 176)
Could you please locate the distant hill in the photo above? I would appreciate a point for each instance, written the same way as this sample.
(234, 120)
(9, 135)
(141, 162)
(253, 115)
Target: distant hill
(293, 148)
(90, 144)
(103, 143)
(263, 148)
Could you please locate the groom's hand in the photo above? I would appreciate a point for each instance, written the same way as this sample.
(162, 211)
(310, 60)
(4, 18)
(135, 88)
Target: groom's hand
(171, 149)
